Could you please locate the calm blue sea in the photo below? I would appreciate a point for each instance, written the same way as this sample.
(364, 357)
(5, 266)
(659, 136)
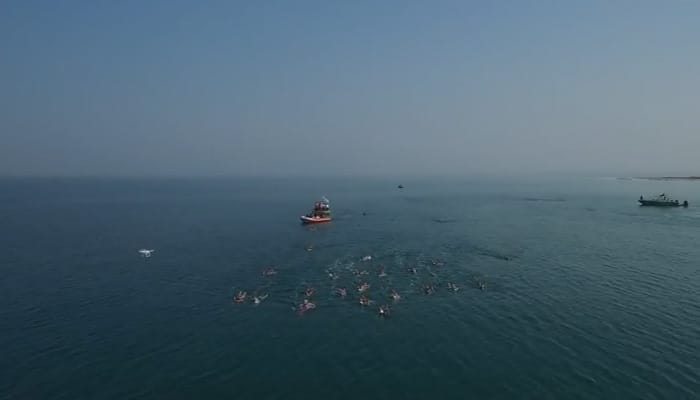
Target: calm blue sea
(587, 295)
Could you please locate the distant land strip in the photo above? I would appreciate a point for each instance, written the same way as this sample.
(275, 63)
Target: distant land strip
(670, 178)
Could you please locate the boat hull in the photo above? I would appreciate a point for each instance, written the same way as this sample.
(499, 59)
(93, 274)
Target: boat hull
(653, 203)
(314, 220)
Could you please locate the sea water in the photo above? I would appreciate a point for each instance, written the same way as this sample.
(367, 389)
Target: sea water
(568, 289)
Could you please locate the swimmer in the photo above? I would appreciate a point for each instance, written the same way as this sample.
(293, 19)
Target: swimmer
(428, 289)
(364, 273)
(436, 262)
(384, 311)
(452, 287)
(259, 299)
(395, 295)
(382, 274)
(342, 292)
(363, 288)
(413, 270)
(240, 297)
(269, 272)
(305, 306)
(367, 258)
(364, 300)
(482, 285)
(309, 248)
(309, 292)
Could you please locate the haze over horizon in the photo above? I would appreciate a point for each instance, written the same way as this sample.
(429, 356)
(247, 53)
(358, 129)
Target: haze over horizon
(363, 88)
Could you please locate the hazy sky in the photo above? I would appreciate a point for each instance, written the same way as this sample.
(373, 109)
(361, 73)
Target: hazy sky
(353, 87)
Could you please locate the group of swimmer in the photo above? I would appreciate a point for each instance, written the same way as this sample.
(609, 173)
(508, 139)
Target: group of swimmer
(384, 310)
(242, 295)
(307, 304)
(304, 306)
(363, 288)
(342, 292)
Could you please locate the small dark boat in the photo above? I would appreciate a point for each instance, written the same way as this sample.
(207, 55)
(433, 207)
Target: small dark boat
(400, 186)
(661, 201)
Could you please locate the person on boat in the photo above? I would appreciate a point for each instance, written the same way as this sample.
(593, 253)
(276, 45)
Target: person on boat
(364, 300)
(240, 297)
(395, 295)
(363, 288)
(342, 292)
(309, 292)
(641, 198)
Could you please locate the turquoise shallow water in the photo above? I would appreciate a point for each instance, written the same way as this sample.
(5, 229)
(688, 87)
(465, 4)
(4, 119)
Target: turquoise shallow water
(588, 296)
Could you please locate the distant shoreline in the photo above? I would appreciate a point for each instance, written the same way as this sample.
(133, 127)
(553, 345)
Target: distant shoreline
(669, 178)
